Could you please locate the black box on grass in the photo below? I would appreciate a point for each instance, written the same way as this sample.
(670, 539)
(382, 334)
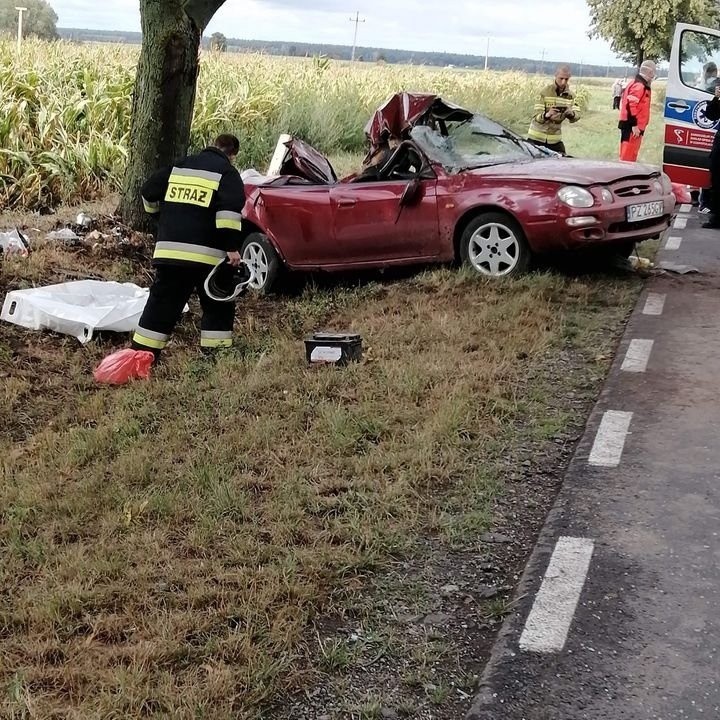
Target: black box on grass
(333, 348)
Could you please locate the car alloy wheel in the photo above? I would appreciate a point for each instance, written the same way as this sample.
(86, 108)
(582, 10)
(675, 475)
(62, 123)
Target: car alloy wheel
(257, 260)
(264, 263)
(493, 244)
(494, 250)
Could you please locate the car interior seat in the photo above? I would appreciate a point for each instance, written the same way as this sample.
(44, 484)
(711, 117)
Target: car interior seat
(404, 164)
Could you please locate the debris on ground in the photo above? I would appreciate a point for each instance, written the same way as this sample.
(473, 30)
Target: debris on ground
(104, 235)
(13, 242)
(77, 308)
(678, 268)
(124, 365)
(84, 220)
(65, 236)
(640, 263)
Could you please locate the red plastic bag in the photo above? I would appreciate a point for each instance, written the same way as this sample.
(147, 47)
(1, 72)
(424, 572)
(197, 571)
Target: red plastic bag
(124, 365)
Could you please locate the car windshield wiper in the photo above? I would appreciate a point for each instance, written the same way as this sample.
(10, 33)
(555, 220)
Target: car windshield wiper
(523, 144)
(494, 160)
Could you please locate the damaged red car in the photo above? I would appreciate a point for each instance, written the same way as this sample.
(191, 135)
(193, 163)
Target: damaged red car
(443, 184)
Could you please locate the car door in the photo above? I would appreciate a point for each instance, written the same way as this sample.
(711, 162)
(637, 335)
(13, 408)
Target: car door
(299, 219)
(694, 62)
(371, 225)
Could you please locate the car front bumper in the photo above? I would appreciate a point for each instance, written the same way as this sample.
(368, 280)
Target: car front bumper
(574, 228)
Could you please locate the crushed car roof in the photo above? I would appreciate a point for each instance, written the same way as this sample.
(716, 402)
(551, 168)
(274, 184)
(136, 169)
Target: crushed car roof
(402, 111)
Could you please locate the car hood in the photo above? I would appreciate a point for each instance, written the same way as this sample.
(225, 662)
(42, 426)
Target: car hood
(569, 171)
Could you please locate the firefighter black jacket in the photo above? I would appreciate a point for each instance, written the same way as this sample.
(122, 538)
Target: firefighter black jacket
(199, 201)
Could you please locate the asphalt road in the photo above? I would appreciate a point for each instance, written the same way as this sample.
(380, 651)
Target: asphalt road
(618, 612)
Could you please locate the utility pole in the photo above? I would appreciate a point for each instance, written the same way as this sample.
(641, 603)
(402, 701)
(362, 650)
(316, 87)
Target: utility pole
(542, 63)
(20, 10)
(356, 20)
(487, 52)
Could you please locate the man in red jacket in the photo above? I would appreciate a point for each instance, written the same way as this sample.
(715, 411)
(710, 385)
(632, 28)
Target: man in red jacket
(635, 111)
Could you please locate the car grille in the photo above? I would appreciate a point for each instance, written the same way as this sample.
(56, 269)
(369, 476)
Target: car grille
(631, 189)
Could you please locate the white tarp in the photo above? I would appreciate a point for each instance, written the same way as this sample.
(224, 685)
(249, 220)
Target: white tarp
(77, 308)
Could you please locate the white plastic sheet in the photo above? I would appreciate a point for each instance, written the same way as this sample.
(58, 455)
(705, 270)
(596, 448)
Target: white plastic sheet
(77, 308)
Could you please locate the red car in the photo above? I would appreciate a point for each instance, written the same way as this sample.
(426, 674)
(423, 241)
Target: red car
(442, 184)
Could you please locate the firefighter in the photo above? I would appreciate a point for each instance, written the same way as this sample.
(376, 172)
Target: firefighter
(199, 201)
(555, 104)
(635, 111)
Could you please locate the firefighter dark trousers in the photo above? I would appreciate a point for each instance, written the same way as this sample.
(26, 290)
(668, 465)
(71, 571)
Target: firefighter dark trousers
(172, 288)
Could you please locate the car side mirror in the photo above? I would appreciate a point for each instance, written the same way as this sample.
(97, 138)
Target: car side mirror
(411, 193)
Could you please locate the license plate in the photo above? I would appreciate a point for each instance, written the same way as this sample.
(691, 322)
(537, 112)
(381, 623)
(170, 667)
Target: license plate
(635, 213)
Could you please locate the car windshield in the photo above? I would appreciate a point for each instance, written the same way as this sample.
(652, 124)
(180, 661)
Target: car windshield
(473, 144)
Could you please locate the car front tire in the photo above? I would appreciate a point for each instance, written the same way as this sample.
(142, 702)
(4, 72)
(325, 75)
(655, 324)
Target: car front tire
(265, 265)
(494, 245)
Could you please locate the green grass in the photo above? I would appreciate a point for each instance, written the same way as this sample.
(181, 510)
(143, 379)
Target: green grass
(172, 541)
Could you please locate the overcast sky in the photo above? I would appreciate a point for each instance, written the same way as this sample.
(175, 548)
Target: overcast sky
(519, 28)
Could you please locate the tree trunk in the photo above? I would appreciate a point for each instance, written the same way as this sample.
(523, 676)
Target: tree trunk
(164, 93)
(640, 56)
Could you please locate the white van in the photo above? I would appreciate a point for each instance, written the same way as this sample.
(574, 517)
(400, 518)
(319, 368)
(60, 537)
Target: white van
(694, 64)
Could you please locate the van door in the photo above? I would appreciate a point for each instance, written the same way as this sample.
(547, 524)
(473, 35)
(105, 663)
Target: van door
(694, 63)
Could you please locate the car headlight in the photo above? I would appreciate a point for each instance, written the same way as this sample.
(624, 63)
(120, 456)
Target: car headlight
(576, 197)
(606, 195)
(665, 183)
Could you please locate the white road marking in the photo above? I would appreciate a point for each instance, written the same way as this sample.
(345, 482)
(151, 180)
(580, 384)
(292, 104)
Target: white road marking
(548, 623)
(673, 242)
(685, 208)
(610, 439)
(637, 356)
(680, 223)
(654, 304)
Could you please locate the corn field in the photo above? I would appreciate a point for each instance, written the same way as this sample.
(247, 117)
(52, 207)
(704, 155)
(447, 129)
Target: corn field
(65, 110)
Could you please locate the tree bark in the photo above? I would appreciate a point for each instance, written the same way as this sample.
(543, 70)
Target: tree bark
(164, 94)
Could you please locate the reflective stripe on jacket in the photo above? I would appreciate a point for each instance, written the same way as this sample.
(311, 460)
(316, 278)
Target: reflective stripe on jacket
(549, 131)
(199, 201)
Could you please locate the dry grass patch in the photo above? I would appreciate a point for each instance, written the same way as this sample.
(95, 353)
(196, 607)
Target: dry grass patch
(168, 545)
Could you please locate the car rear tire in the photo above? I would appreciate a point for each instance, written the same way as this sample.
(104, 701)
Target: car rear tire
(257, 251)
(494, 245)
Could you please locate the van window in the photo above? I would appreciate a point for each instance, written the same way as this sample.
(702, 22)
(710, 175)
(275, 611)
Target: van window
(699, 60)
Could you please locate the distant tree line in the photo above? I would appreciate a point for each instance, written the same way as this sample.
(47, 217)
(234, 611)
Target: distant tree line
(362, 54)
(39, 19)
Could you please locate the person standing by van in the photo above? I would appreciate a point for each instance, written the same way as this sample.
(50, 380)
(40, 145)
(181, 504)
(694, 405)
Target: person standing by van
(635, 111)
(712, 112)
(617, 89)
